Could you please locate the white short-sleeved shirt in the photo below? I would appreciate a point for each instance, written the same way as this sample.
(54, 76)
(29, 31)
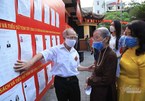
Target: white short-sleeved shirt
(65, 62)
(112, 42)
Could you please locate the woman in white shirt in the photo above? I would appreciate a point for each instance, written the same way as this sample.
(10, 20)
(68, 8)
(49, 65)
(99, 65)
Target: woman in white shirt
(115, 30)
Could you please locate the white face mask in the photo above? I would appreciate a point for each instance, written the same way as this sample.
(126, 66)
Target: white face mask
(70, 42)
(112, 29)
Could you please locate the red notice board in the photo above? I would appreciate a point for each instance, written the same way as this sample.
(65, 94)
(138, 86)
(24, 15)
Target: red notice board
(26, 28)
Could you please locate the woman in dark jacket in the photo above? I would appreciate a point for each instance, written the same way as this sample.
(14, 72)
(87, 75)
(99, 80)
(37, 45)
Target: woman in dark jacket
(103, 77)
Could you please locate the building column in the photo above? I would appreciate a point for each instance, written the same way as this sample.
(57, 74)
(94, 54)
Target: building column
(86, 31)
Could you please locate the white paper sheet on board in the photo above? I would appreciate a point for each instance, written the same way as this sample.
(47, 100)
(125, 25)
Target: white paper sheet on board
(49, 74)
(26, 46)
(46, 14)
(52, 17)
(30, 89)
(53, 40)
(57, 20)
(7, 10)
(14, 94)
(8, 55)
(58, 40)
(41, 80)
(38, 10)
(24, 7)
(39, 43)
(47, 40)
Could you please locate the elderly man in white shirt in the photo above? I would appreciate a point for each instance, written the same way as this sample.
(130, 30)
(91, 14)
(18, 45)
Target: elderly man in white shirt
(65, 68)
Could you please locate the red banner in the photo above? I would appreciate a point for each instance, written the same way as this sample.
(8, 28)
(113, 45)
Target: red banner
(26, 28)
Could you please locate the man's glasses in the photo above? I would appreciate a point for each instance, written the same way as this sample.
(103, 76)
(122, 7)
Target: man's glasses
(75, 38)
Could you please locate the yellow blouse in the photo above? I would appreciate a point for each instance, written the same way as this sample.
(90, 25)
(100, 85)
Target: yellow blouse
(131, 83)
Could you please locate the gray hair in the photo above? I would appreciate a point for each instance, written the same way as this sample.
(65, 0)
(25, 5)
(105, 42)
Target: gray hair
(66, 32)
(104, 32)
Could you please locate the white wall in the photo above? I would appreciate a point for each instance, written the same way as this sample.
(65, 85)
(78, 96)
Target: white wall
(99, 6)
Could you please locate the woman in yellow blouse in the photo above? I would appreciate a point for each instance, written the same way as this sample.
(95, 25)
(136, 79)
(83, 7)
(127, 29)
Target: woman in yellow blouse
(131, 83)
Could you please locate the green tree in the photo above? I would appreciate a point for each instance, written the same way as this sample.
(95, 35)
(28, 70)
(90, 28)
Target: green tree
(137, 11)
(117, 15)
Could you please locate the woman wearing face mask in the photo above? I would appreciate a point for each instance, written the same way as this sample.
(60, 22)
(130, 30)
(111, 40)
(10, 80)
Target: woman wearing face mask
(103, 77)
(115, 30)
(122, 43)
(131, 83)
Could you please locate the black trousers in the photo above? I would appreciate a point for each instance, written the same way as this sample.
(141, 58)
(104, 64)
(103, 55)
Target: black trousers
(67, 89)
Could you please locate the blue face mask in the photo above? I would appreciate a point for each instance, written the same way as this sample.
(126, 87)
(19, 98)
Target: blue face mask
(98, 45)
(131, 42)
